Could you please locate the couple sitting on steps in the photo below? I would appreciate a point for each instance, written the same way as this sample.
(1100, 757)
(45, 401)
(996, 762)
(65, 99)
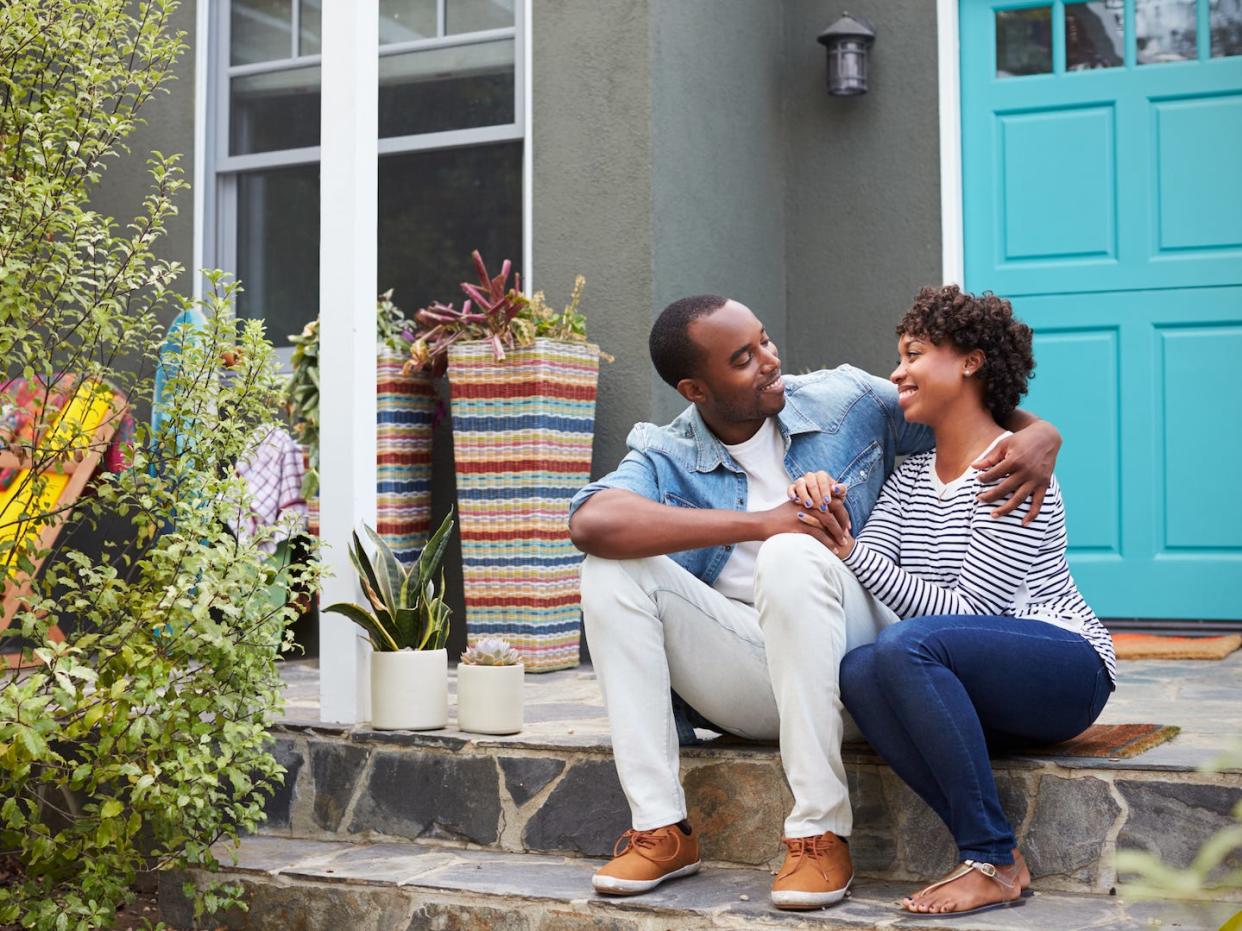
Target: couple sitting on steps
(724, 580)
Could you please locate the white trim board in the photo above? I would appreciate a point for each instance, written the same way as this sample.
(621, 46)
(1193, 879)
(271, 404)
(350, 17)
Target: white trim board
(202, 62)
(948, 54)
(525, 43)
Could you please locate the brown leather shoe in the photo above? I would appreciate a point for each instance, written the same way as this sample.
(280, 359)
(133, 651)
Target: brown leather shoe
(649, 858)
(816, 873)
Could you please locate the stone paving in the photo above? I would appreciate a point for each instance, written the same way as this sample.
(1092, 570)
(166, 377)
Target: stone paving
(564, 710)
(552, 789)
(320, 886)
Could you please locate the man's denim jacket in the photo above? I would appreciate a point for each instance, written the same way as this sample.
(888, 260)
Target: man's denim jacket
(841, 420)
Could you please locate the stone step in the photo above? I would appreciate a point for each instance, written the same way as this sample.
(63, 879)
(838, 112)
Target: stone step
(556, 793)
(332, 886)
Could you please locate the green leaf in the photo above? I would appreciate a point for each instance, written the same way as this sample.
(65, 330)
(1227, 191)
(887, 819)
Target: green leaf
(387, 571)
(111, 809)
(429, 559)
(381, 638)
(366, 572)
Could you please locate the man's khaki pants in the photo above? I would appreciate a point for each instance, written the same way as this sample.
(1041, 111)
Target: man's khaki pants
(763, 671)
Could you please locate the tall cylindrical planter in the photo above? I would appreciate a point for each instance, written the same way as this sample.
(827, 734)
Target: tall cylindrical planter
(409, 690)
(404, 406)
(489, 698)
(522, 433)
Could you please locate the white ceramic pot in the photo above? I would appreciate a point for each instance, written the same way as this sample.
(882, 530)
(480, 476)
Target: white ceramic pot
(489, 698)
(409, 690)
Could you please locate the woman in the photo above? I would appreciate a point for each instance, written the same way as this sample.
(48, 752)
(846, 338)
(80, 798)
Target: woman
(996, 645)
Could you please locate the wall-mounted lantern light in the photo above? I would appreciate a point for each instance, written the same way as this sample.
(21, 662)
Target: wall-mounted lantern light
(848, 41)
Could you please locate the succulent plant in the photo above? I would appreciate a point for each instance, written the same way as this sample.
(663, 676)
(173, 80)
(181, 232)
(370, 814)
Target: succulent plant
(491, 651)
(408, 611)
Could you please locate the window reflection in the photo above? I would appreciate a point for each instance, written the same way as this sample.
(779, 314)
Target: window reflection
(1166, 30)
(260, 30)
(277, 110)
(1225, 17)
(435, 207)
(406, 20)
(278, 248)
(450, 88)
(1094, 36)
(477, 15)
(1023, 41)
(310, 27)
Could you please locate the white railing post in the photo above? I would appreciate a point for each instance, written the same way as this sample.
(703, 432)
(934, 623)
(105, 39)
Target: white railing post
(347, 289)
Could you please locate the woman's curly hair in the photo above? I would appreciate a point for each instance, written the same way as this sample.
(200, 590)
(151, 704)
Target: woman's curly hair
(986, 323)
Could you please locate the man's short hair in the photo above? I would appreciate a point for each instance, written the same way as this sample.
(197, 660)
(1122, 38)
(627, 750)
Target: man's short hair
(673, 352)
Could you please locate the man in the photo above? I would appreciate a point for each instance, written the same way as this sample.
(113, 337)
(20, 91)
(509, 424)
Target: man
(702, 578)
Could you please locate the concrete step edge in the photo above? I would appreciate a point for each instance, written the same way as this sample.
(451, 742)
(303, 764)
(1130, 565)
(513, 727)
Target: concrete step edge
(327, 886)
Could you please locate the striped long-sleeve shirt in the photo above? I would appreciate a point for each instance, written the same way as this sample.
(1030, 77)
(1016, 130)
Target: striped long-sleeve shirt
(932, 548)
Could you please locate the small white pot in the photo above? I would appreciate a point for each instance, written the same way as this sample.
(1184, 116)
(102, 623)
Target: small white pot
(489, 698)
(409, 690)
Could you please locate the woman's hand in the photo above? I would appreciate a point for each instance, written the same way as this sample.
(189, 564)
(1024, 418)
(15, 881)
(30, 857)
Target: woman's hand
(1025, 462)
(824, 500)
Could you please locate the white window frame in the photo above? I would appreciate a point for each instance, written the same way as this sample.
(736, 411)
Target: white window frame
(949, 80)
(217, 172)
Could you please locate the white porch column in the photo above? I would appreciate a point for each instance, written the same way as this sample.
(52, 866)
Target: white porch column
(347, 289)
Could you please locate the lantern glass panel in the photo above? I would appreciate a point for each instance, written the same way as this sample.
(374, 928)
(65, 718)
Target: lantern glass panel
(847, 67)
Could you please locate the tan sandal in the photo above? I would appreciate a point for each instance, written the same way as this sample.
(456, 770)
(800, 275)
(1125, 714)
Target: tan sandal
(964, 869)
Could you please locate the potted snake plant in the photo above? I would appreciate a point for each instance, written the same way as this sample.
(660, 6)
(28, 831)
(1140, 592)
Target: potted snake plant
(407, 624)
(489, 688)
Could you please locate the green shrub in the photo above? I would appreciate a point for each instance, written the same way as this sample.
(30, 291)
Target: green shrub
(141, 739)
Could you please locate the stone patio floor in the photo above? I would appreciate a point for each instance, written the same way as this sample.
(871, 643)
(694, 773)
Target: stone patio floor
(565, 709)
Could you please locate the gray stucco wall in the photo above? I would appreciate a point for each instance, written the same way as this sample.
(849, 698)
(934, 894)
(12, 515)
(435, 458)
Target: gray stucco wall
(169, 128)
(717, 156)
(863, 206)
(684, 146)
(592, 190)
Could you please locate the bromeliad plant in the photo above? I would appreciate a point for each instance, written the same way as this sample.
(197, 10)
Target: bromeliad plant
(492, 311)
(503, 316)
(408, 610)
(491, 651)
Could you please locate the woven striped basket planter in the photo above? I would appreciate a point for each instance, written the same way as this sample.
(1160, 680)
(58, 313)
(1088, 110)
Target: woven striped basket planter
(522, 432)
(404, 405)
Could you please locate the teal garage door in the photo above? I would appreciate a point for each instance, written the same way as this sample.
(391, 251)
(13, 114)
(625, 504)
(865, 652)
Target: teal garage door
(1102, 185)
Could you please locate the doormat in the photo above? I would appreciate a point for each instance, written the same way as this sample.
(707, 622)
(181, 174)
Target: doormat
(1157, 646)
(1110, 741)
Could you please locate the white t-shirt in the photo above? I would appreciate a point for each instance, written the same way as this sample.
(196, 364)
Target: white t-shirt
(762, 457)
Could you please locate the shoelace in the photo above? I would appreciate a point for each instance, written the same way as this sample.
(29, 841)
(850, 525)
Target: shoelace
(642, 841)
(802, 847)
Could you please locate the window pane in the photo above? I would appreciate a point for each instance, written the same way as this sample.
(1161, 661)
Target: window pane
(310, 27)
(260, 30)
(1166, 30)
(278, 248)
(435, 207)
(406, 20)
(1023, 41)
(447, 88)
(1226, 18)
(477, 15)
(279, 110)
(1094, 36)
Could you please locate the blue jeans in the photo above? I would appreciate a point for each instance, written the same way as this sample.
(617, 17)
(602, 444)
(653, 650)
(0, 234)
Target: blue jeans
(932, 693)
